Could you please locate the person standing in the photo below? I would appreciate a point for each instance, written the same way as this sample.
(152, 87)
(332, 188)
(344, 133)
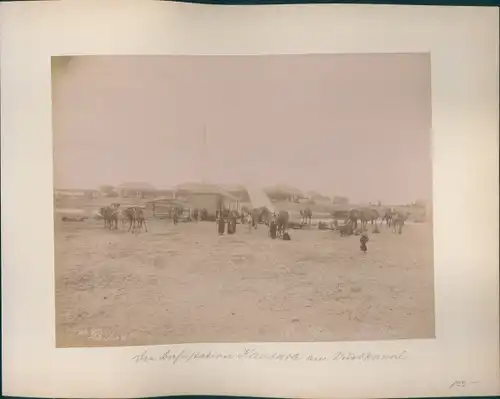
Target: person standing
(363, 240)
(249, 221)
(273, 228)
(175, 215)
(233, 219)
(221, 223)
(230, 223)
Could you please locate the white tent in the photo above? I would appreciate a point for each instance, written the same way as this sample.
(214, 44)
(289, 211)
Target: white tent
(258, 197)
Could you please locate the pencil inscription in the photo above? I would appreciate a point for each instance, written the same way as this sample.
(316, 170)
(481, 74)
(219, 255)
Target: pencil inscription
(99, 334)
(183, 355)
(462, 383)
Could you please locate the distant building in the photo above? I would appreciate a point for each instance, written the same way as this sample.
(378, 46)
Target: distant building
(181, 190)
(165, 193)
(163, 207)
(208, 197)
(137, 190)
(318, 197)
(281, 192)
(76, 193)
(107, 190)
(338, 200)
(236, 190)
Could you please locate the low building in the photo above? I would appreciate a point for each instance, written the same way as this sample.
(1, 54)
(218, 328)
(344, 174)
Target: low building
(211, 202)
(207, 197)
(163, 207)
(318, 198)
(281, 192)
(76, 193)
(165, 193)
(338, 200)
(137, 190)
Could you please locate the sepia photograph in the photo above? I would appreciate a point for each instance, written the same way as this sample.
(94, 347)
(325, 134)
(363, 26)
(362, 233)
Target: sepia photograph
(230, 199)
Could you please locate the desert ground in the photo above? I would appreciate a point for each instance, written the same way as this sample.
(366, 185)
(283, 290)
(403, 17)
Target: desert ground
(184, 283)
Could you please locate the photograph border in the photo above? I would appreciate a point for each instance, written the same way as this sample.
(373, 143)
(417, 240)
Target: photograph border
(402, 307)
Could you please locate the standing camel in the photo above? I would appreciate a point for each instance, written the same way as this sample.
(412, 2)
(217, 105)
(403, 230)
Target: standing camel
(136, 219)
(104, 214)
(306, 216)
(260, 215)
(389, 215)
(110, 216)
(140, 220)
(353, 217)
(399, 221)
(369, 215)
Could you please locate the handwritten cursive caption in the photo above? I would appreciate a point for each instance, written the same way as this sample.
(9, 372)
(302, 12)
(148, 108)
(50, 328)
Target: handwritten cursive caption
(100, 335)
(186, 356)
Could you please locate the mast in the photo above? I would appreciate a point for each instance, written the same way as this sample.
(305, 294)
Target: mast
(204, 155)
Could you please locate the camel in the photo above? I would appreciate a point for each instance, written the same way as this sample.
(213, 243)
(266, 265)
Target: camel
(123, 218)
(140, 220)
(353, 217)
(110, 216)
(399, 220)
(388, 216)
(136, 219)
(103, 212)
(260, 215)
(363, 216)
(369, 215)
(306, 216)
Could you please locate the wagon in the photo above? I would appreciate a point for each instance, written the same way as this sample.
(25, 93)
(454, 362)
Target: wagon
(295, 225)
(185, 215)
(79, 218)
(322, 225)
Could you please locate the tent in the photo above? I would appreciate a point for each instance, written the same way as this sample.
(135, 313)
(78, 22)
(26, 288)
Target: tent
(259, 198)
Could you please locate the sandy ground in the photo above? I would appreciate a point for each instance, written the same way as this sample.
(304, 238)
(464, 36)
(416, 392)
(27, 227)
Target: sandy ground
(184, 283)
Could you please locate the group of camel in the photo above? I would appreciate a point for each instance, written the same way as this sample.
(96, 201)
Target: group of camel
(359, 218)
(354, 219)
(133, 215)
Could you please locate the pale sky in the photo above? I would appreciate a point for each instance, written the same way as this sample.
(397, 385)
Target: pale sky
(352, 125)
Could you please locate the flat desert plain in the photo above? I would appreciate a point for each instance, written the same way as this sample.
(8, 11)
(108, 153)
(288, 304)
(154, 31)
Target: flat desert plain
(184, 283)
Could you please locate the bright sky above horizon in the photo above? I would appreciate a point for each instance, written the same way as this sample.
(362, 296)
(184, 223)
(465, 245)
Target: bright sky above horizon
(352, 125)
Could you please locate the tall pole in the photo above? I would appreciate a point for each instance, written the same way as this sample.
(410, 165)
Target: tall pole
(203, 155)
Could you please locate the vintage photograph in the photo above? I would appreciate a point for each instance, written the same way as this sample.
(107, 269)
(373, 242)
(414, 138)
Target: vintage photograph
(283, 198)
